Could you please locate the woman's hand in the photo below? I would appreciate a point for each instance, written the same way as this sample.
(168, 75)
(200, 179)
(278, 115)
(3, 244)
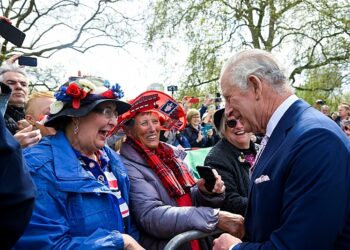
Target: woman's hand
(200, 137)
(219, 186)
(28, 136)
(130, 243)
(231, 223)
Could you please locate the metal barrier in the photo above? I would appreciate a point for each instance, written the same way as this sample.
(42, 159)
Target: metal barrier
(182, 238)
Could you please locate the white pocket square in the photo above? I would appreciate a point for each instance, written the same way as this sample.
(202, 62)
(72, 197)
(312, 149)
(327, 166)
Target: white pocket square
(262, 179)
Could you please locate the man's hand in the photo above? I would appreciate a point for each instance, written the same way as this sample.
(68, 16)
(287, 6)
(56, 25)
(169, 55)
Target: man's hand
(231, 223)
(22, 124)
(130, 243)
(225, 241)
(5, 18)
(28, 137)
(13, 59)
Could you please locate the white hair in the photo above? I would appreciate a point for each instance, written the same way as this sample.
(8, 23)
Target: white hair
(11, 68)
(255, 62)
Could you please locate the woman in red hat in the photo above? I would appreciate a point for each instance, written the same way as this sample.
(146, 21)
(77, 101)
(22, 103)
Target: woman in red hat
(165, 200)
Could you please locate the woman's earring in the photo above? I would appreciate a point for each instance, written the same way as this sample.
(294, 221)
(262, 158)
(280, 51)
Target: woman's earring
(76, 129)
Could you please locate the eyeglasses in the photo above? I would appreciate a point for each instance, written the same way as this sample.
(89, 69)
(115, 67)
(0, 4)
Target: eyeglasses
(107, 112)
(231, 123)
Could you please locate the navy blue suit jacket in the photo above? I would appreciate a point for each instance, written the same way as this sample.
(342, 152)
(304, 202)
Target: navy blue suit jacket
(17, 190)
(306, 202)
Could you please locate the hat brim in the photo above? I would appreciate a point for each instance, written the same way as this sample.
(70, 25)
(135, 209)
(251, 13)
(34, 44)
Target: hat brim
(171, 114)
(53, 120)
(217, 118)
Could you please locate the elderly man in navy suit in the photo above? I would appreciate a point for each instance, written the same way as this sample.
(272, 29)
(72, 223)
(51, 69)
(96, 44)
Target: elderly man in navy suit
(299, 196)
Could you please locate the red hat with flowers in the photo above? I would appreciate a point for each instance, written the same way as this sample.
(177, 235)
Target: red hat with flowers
(78, 97)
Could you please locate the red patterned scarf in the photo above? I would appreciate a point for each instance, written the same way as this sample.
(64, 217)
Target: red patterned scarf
(173, 174)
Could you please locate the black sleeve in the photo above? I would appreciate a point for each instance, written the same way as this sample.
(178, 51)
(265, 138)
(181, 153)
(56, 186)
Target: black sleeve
(17, 190)
(234, 201)
(192, 137)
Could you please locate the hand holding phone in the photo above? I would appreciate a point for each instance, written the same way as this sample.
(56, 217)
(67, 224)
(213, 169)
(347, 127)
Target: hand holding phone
(11, 33)
(207, 174)
(27, 61)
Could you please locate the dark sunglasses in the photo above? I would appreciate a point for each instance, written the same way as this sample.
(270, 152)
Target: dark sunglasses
(231, 123)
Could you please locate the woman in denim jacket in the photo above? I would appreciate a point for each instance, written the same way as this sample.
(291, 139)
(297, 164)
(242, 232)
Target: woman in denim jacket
(82, 200)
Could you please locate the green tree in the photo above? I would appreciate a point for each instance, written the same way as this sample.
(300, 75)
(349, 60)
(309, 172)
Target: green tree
(311, 34)
(323, 83)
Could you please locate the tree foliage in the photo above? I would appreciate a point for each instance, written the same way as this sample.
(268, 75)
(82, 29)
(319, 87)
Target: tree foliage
(310, 34)
(53, 25)
(324, 83)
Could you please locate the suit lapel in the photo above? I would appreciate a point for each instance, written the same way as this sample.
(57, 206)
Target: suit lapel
(278, 136)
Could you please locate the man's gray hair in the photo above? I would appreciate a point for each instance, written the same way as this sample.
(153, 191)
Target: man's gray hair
(255, 62)
(11, 68)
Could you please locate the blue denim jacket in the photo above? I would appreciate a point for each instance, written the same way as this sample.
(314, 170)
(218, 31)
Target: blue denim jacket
(73, 209)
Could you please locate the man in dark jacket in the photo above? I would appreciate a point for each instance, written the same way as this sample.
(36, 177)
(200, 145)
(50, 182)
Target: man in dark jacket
(16, 78)
(299, 194)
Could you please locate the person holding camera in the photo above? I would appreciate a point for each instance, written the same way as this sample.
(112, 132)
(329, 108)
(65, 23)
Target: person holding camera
(16, 78)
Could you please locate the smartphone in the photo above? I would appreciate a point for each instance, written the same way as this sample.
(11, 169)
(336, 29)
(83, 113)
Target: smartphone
(207, 174)
(11, 33)
(28, 61)
(206, 128)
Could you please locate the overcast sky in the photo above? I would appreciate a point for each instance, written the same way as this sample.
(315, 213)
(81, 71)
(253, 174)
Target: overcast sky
(134, 70)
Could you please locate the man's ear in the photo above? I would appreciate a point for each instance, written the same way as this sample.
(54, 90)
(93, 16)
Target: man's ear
(255, 83)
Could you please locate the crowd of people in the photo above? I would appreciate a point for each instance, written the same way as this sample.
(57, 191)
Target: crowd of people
(87, 170)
